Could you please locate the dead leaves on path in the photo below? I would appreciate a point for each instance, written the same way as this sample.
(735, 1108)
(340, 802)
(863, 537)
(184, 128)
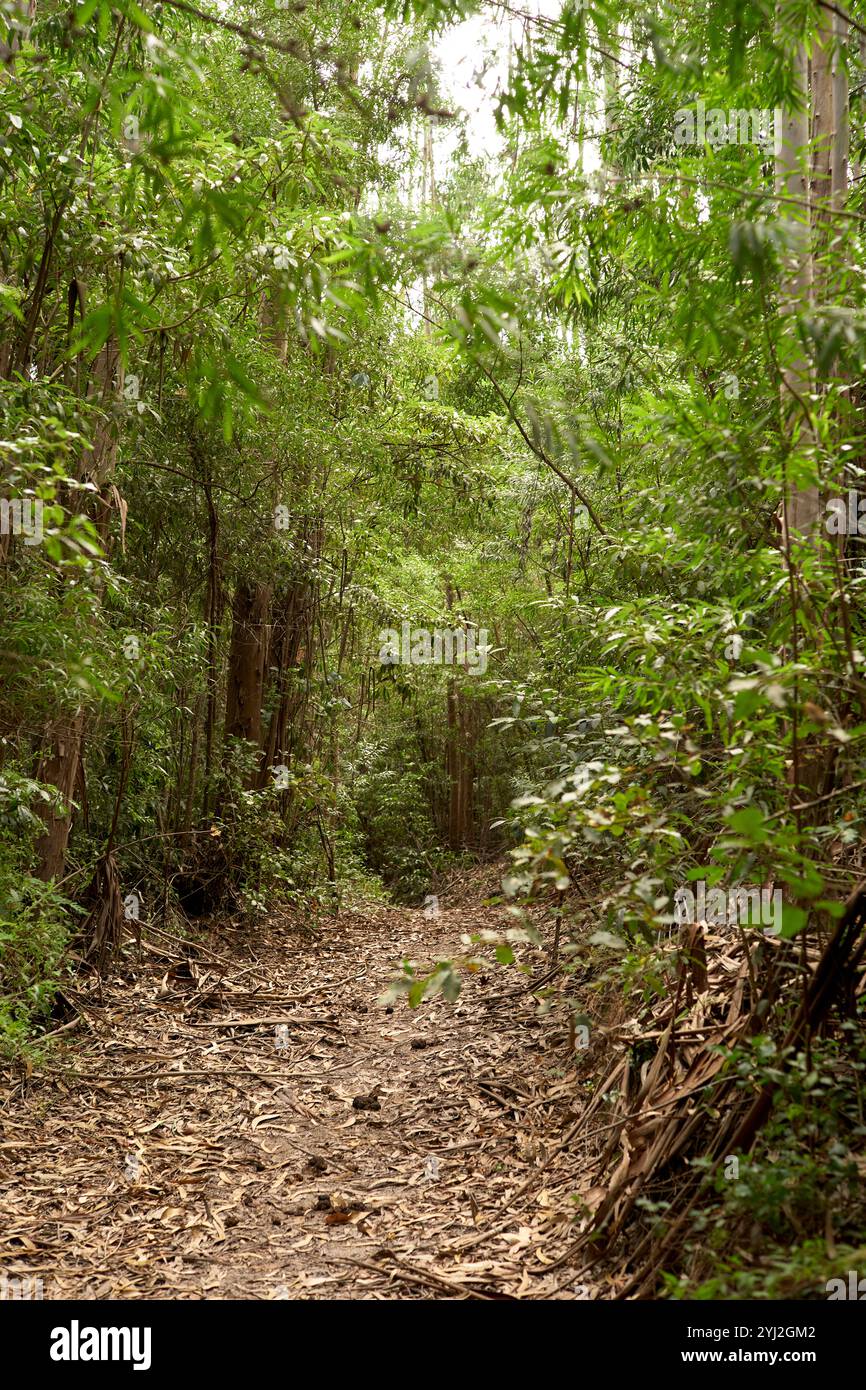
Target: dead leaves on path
(242, 1120)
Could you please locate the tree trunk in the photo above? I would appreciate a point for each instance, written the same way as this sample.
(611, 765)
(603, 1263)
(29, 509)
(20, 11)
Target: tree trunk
(60, 769)
(246, 670)
(801, 506)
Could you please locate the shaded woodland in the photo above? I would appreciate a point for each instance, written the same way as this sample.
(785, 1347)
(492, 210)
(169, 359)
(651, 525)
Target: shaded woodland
(534, 336)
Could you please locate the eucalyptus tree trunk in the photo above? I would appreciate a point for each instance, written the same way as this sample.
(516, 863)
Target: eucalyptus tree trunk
(60, 768)
(801, 506)
(428, 202)
(246, 670)
(811, 177)
(829, 181)
(840, 149)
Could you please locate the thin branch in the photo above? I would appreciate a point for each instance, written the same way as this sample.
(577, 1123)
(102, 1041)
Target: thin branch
(240, 29)
(537, 449)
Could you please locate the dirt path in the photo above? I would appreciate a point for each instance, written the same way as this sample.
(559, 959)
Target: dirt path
(169, 1151)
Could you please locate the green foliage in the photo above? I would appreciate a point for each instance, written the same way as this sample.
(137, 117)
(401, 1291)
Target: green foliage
(35, 918)
(400, 837)
(803, 1179)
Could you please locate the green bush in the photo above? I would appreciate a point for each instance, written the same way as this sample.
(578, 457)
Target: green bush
(775, 1206)
(35, 921)
(399, 834)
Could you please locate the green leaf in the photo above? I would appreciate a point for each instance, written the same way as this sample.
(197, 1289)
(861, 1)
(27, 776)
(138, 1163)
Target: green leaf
(794, 920)
(751, 823)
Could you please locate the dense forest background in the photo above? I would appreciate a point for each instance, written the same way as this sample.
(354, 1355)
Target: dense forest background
(296, 350)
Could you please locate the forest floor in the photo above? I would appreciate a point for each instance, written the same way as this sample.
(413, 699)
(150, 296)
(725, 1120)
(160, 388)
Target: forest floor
(176, 1145)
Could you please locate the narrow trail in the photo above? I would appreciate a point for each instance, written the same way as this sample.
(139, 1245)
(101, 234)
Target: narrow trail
(243, 1119)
